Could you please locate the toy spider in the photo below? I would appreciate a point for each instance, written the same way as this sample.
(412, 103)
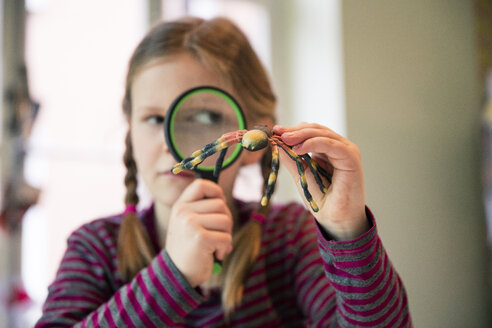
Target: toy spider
(258, 138)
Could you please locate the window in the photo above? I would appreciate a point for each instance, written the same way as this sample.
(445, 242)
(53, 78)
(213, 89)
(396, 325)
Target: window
(77, 54)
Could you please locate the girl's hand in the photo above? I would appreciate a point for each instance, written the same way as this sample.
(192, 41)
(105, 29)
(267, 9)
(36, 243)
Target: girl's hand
(342, 207)
(200, 225)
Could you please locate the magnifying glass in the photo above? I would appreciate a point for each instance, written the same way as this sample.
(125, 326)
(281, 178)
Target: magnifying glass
(198, 117)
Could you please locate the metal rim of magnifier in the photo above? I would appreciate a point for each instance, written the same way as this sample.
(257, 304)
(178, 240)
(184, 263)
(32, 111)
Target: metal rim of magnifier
(169, 124)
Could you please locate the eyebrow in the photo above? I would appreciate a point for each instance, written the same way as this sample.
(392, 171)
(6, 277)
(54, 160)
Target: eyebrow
(151, 109)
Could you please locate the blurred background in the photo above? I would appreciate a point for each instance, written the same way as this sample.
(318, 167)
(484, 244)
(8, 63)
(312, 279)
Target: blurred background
(405, 80)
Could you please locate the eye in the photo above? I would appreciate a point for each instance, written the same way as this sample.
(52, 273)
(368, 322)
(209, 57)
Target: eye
(208, 117)
(155, 119)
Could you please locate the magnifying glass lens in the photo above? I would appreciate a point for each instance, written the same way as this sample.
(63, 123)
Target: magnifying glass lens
(200, 118)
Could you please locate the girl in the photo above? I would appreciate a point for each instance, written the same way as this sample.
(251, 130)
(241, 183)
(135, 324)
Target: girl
(283, 265)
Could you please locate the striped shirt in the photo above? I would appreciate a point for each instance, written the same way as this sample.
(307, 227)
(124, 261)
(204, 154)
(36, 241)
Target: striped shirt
(301, 278)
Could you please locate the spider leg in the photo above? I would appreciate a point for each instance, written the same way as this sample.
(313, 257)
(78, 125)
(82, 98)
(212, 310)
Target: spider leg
(226, 140)
(199, 156)
(197, 153)
(323, 172)
(218, 164)
(300, 169)
(206, 149)
(272, 178)
(316, 170)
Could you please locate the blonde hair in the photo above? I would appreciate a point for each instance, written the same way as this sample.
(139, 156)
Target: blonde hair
(220, 45)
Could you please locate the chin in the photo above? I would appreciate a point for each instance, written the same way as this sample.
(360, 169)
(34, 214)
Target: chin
(167, 191)
(168, 200)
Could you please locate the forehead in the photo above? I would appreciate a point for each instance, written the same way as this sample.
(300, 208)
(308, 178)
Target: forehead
(160, 81)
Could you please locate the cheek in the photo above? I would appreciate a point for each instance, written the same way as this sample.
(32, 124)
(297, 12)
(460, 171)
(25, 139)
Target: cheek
(228, 177)
(146, 149)
(139, 153)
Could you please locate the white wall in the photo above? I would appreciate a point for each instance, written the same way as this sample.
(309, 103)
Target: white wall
(307, 69)
(413, 107)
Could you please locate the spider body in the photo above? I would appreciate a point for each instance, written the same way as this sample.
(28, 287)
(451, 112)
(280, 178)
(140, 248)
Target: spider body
(253, 140)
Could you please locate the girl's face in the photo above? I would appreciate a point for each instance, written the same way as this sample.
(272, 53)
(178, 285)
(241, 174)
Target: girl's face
(153, 90)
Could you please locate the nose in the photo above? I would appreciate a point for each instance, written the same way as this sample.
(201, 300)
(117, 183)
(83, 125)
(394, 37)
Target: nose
(164, 147)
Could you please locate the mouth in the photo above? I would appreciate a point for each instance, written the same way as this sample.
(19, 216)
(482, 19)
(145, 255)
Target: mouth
(182, 174)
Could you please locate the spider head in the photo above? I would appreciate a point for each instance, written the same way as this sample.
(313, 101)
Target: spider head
(254, 140)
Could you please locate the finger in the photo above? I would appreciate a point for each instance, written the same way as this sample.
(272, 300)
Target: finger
(328, 152)
(296, 136)
(215, 222)
(200, 189)
(218, 243)
(279, 129)
(209, 205)
(333, 148)
(340, 156)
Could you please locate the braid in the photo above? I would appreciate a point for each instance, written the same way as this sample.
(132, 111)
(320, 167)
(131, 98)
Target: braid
(131, 183)
(246, 247)
(135, 251)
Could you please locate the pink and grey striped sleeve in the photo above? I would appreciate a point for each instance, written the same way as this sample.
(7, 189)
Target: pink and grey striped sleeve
(86, 294)
(364, 291)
